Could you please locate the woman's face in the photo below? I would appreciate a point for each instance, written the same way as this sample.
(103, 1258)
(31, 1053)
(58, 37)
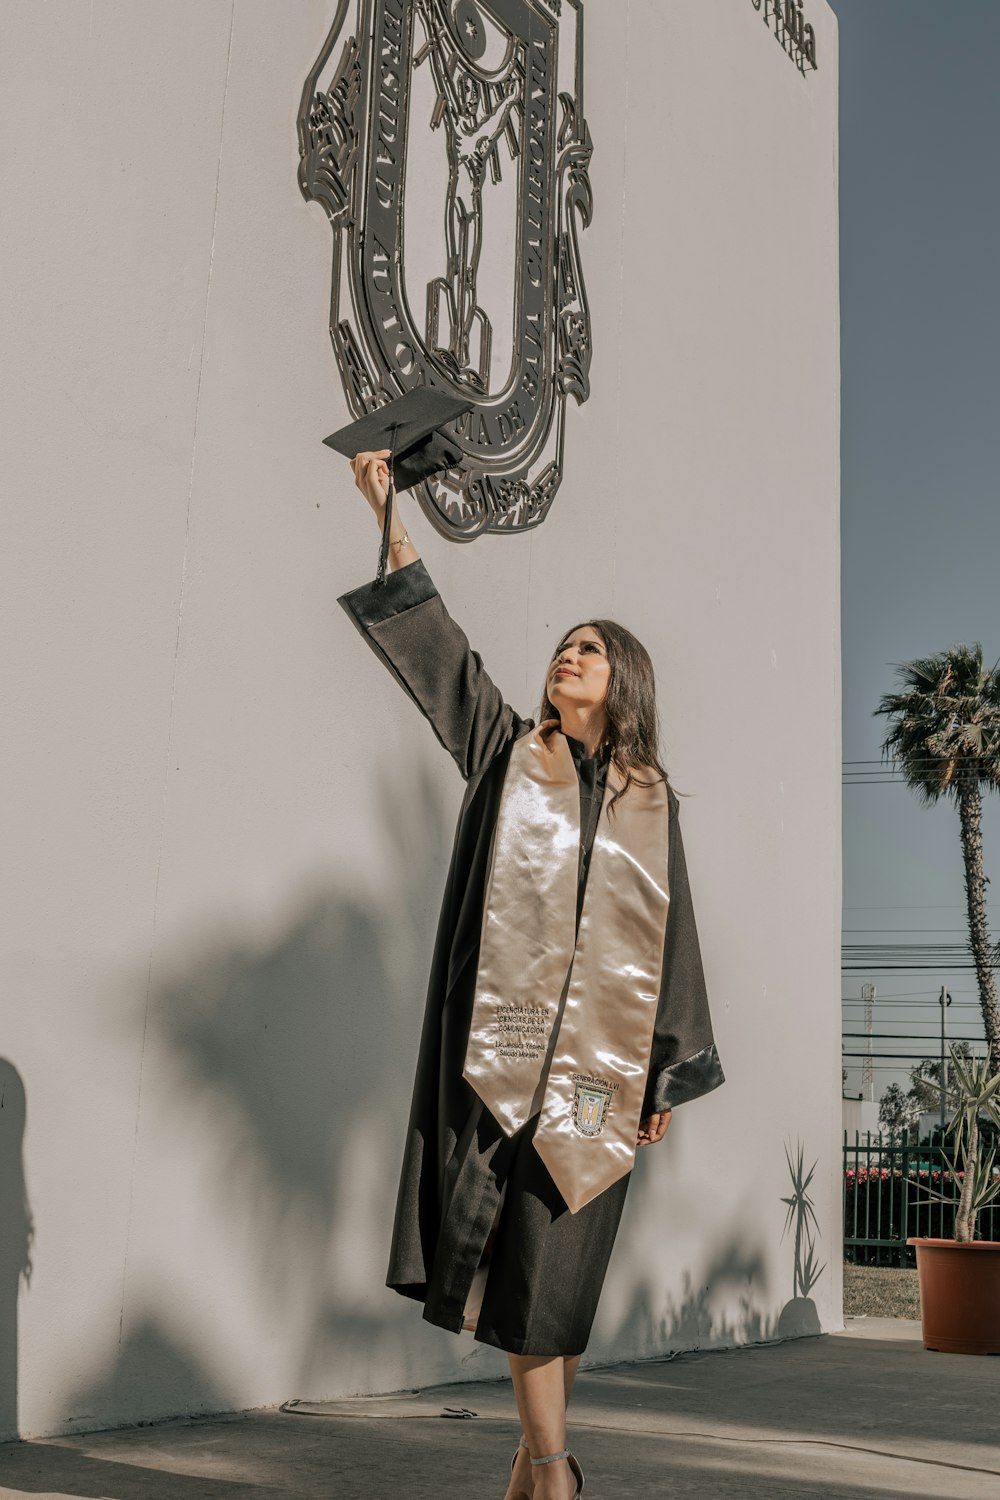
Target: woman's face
(579, 673)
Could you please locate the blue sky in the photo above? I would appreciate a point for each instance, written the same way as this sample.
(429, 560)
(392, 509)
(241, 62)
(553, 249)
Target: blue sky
(920, 259)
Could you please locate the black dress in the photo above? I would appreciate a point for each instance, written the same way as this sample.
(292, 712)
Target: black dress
(459, 1168)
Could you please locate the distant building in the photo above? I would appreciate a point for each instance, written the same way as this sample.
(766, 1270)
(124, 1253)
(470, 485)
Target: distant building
(860, 1115)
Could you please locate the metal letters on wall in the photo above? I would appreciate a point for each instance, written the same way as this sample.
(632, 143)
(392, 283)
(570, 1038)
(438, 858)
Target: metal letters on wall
(447, 143)
(792, 32)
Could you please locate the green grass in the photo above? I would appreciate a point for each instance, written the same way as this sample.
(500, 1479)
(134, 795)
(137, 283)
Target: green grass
(880, 1292)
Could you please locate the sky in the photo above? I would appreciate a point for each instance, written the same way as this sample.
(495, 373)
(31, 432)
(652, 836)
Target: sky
(920, 310)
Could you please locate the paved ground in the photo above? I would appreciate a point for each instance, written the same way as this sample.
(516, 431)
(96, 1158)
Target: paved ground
(869, 1414)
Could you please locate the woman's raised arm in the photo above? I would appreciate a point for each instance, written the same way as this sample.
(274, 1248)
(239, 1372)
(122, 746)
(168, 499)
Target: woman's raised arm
(406, 624)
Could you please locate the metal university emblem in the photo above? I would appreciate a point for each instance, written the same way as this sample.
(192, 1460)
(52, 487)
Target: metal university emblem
(447, 143)
(591, 1101)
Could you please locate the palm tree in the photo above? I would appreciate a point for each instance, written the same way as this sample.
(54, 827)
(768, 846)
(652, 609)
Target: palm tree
(945, 738)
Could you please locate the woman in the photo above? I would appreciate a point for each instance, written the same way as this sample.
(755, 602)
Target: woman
(565, 1016)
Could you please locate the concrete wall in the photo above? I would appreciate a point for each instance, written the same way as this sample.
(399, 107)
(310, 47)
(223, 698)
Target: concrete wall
(225, 831)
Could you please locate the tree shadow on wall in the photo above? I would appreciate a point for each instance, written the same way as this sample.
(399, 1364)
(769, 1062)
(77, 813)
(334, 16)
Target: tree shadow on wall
(16, 1235)
(738, 1266)
(283, 1071)
(150, 1361)
(691, 1320)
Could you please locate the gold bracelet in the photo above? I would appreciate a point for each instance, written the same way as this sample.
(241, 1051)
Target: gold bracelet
(404, 539)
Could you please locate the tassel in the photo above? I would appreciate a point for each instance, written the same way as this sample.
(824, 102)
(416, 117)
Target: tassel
(383, 551)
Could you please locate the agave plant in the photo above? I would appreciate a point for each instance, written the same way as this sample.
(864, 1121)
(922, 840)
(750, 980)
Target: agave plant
(945, 738)
(975, 1091)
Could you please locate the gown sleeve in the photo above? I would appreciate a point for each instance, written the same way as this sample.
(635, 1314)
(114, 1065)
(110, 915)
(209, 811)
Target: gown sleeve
(406, 624)
(684, 1062)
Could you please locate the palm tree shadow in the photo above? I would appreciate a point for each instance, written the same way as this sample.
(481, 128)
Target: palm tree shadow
(281, 1072)
(16, 1235)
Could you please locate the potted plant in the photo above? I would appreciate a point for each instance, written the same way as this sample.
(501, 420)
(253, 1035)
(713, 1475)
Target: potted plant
(960, 1278)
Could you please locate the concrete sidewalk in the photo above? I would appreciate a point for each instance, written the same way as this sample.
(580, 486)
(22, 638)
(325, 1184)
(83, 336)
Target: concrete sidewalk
(868, 1413)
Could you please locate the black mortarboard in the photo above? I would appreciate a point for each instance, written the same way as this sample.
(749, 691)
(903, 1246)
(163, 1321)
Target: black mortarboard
(409, 427)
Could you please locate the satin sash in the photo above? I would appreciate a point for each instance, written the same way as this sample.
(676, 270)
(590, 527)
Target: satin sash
(563, 1023)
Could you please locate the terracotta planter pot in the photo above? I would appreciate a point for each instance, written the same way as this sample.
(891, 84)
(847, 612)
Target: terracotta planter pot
(959, 1295)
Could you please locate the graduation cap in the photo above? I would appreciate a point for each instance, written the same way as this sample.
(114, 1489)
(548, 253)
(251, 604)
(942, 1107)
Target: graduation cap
(409, 427)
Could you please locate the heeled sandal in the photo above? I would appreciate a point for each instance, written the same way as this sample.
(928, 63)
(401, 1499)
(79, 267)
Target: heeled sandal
(521, 1444)
(554, 1458)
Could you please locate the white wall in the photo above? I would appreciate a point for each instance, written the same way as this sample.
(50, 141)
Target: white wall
(226, 831)
(859, 1116)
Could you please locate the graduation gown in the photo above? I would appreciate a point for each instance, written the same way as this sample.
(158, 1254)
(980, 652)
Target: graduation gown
(547, 1265)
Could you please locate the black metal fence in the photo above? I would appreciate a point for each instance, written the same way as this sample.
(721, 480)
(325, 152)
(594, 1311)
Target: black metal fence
(884, 1203)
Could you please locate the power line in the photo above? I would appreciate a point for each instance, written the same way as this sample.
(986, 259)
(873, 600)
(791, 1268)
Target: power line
(906, 1056)
(879, 1067)
(905, 1036)
(891, 999)
(892, 764)
(912, 995)
(896, 946)
(879, 778)
(908, 968)
(910, 906)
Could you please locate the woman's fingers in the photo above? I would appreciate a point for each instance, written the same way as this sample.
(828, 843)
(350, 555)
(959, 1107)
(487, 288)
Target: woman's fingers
(371, 475)
(653, 1128)
(362, 461)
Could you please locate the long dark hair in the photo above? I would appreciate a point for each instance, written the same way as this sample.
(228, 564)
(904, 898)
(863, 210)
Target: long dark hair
(633, 733)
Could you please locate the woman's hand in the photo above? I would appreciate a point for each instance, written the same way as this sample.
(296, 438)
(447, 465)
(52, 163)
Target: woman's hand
(653, 1128)
(371, 475)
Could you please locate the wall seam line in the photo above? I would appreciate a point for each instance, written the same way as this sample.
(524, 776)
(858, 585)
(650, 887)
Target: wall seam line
(173, 675)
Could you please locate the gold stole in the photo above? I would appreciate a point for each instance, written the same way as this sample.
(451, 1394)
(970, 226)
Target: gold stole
(562, 1023)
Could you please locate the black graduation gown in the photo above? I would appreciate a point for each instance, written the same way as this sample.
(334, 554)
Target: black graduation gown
(547, 1265)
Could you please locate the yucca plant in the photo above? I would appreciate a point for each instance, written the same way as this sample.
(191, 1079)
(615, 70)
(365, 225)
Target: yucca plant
(974, 1091)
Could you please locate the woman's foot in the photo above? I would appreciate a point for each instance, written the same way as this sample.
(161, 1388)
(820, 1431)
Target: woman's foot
(522, 1477)
(554, 1482)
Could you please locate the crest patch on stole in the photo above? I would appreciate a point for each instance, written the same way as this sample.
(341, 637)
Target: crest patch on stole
(591, 1102)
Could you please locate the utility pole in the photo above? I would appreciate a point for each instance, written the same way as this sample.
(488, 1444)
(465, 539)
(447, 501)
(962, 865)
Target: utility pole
(868, 1066)
(945, 1001)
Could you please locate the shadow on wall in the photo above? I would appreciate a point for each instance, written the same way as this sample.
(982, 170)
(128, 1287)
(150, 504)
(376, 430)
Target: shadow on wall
(16, 1233)
(693, 1321)
(149, 1364)
(284, 1077)
(799, 1315)
(738, 1268)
